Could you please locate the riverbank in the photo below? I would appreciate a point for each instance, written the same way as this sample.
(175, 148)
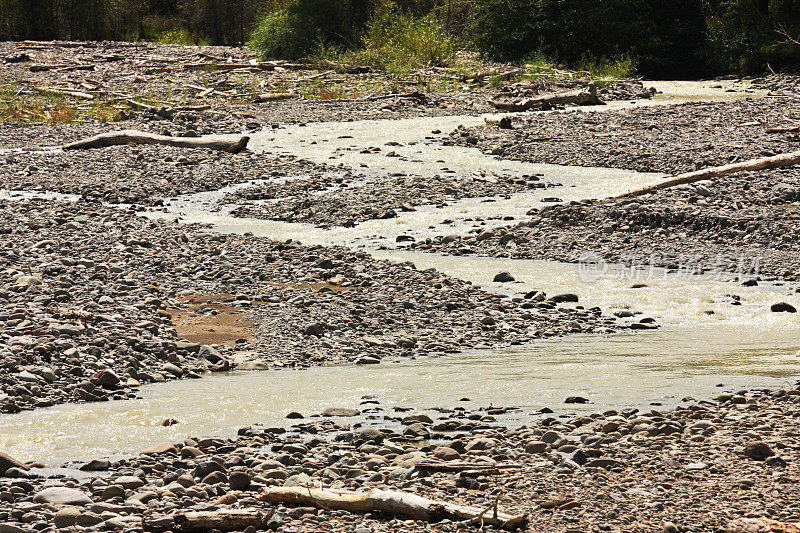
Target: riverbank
(76, 88)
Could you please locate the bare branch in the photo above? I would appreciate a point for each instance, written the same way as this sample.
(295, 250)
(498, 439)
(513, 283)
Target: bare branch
(782, 30)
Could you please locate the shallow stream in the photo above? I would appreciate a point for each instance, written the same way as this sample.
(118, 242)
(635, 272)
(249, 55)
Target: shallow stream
(713, 330)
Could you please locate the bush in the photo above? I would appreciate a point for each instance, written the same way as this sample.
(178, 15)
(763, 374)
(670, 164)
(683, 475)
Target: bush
(618, 67)
(302, 26)
(178, 36)
(275, 37)
(400, 43)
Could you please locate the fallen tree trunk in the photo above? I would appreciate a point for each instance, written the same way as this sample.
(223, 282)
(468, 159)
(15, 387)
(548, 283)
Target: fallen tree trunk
(263, 65)
(117, 138)
(201, 521)
(63, 68)
(272, 97)
(784, 129)
(586, 96)
(390, 502)
(777, 161)
(414, 94)
(64, 92)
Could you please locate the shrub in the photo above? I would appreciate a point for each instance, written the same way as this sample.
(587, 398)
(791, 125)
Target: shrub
(303, 25)
(275, 37)
(400, 43)
(177, 36)
(618, 67)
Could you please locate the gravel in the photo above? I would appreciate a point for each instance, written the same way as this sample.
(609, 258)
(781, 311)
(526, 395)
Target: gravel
(700, 467)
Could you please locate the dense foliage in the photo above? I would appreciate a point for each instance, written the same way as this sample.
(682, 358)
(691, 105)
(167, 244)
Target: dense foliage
(216, 21)
(668, 38)
(747, 35)
(304, 25)
(675, 38)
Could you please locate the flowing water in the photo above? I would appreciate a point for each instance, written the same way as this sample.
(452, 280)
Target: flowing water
(713, 330)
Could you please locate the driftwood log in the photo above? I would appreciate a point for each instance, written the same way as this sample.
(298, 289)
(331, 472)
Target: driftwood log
(62, 68)
(776, 161)
(202, 521)
(392, 502)
(784, 129)
(272, 97)
(117, 138)
(263, 65)
(587, 96)
(413, 94)
(64, 92)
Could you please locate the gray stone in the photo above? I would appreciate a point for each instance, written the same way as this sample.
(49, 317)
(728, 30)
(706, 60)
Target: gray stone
(503, 277)
(297, 480)
(340, 411)
(62, 496)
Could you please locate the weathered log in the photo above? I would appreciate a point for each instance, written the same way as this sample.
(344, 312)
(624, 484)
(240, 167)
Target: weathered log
(201, 521)
(586, 96)
(390, 502)
(271, 97)
(784, 129)
(413, 94)
(64, 92)
(777, 161)
(62, 68)
(263, 65)
(122, 137)
(219, 66)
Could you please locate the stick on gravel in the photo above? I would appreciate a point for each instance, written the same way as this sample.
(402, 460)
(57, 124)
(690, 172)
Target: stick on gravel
(117, 138)
(777, 161)
(389, 501)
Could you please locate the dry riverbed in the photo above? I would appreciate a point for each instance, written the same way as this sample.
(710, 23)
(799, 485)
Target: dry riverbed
(97, 301)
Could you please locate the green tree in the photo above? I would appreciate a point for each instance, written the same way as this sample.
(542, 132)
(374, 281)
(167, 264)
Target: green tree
(744, 34)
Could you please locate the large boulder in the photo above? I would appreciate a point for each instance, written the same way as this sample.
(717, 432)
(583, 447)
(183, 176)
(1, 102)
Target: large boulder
(161, 448)
(105, 378)
(62, 496)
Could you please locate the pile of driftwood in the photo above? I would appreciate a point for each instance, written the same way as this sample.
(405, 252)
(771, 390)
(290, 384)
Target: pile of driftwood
(583, 96)
(390, 502)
